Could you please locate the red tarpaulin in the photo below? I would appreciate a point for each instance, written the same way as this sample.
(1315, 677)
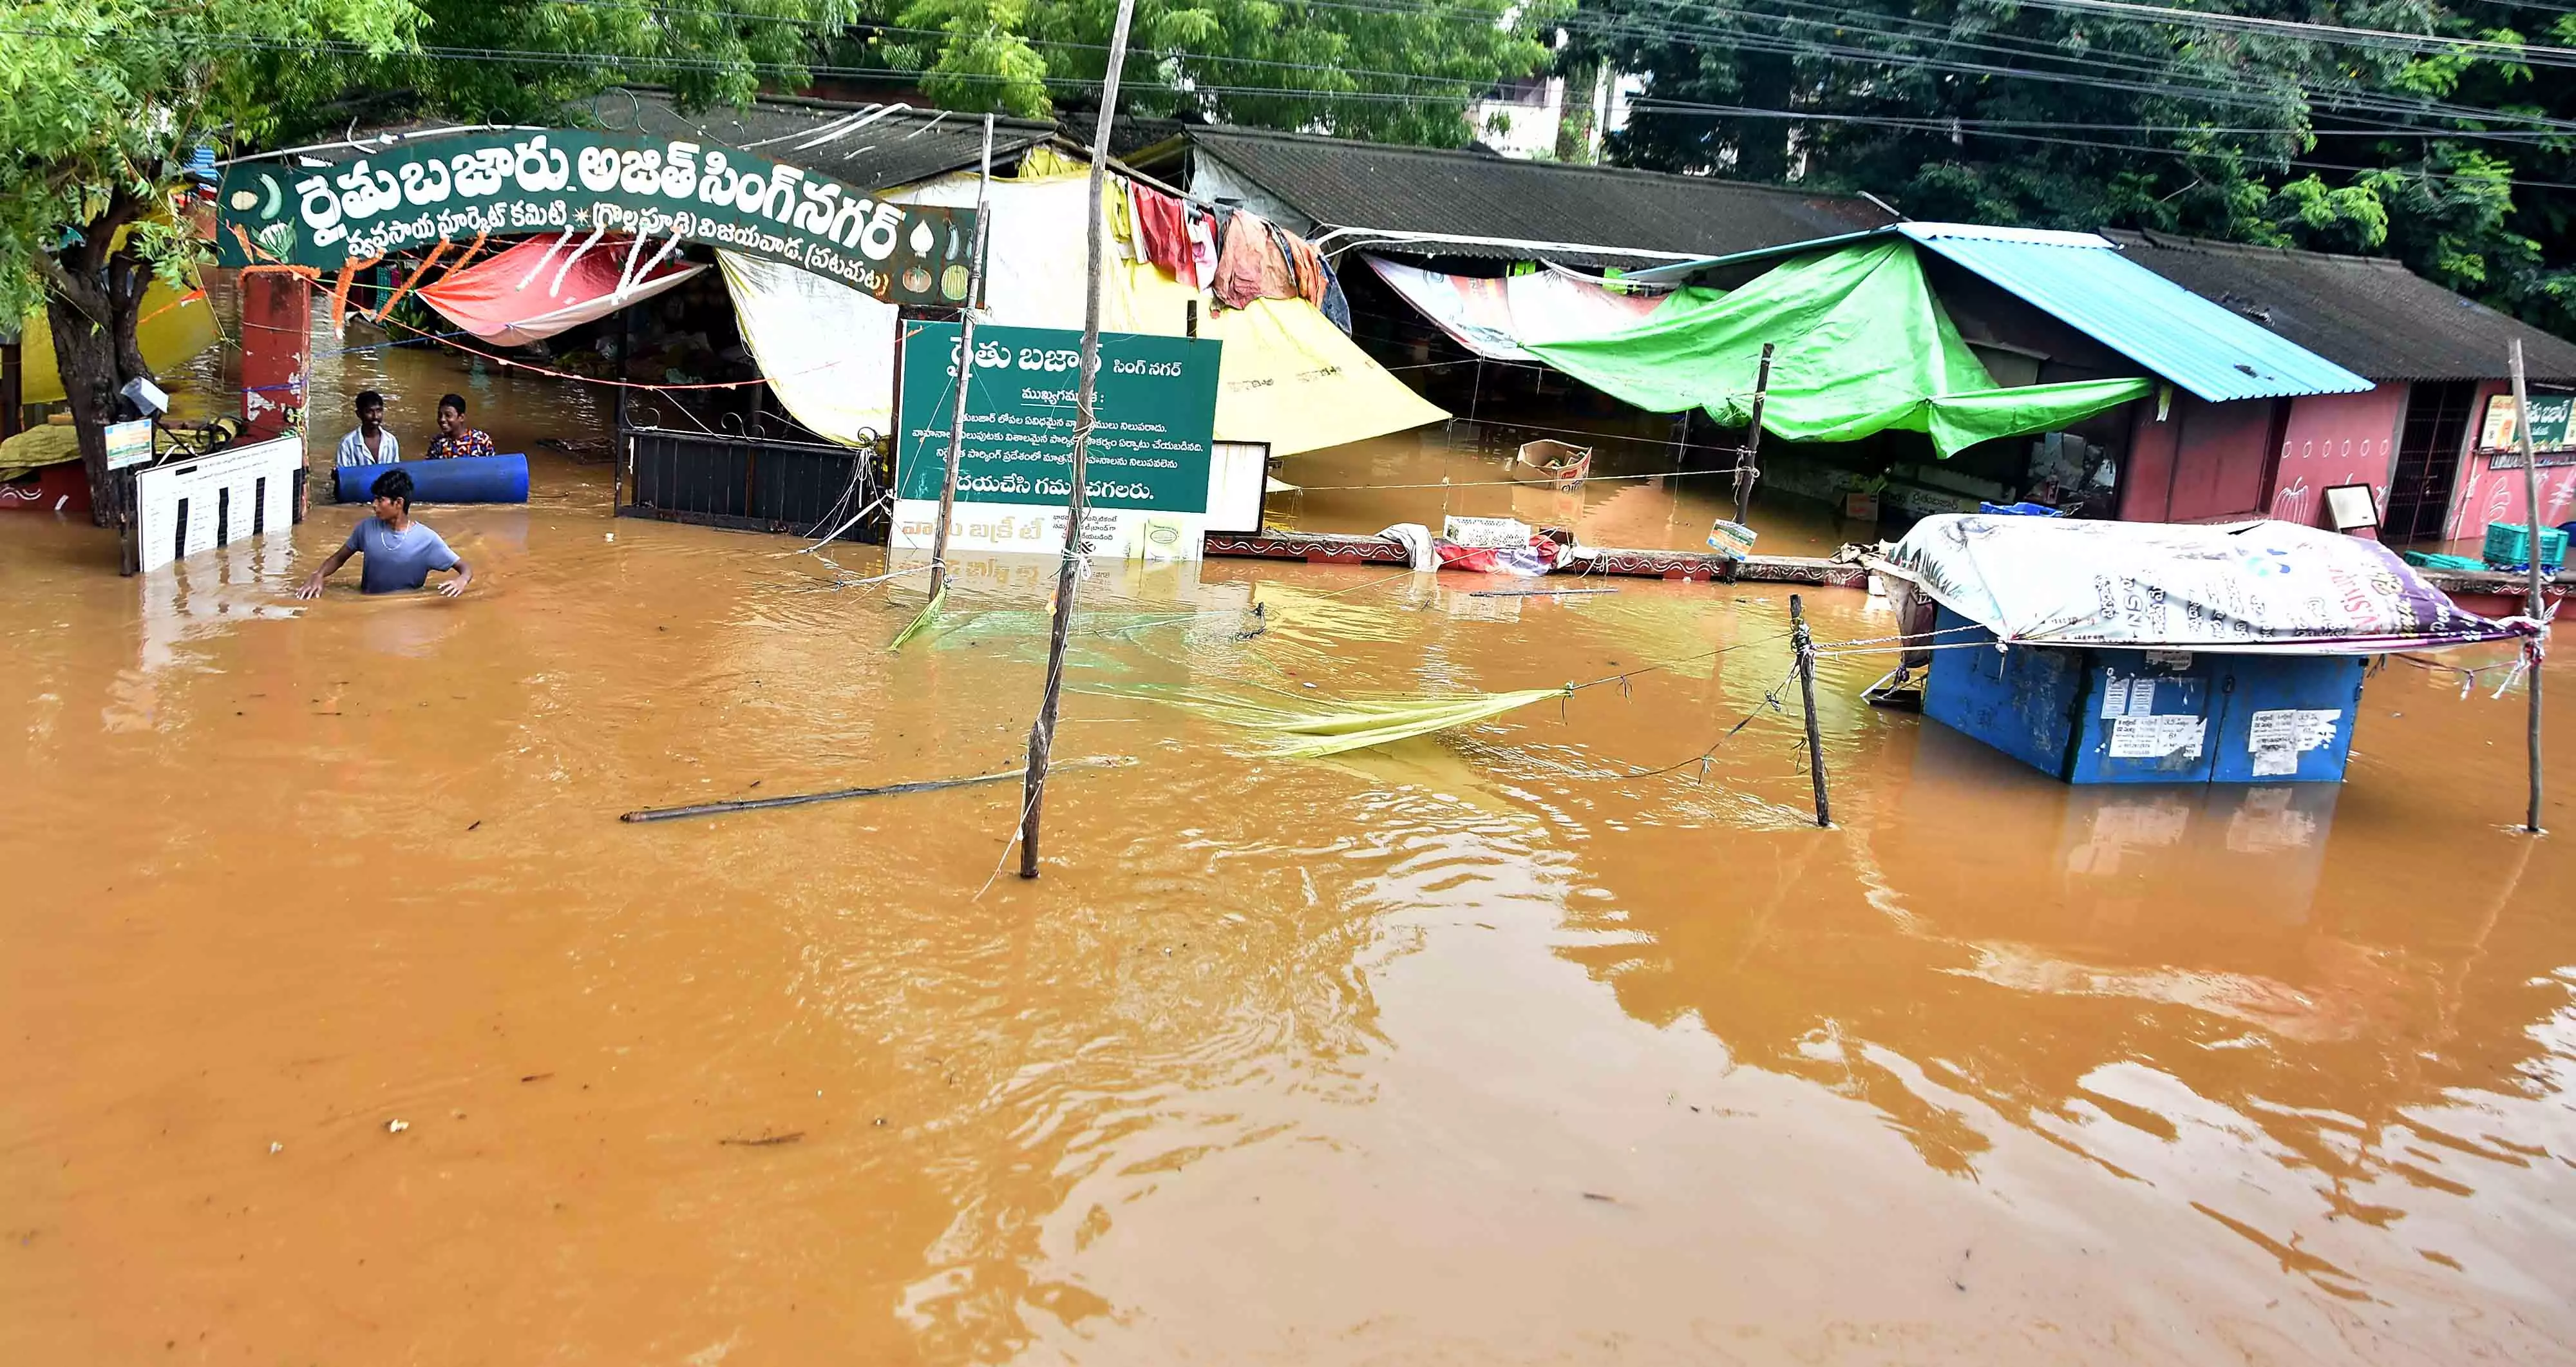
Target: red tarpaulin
(547, 284)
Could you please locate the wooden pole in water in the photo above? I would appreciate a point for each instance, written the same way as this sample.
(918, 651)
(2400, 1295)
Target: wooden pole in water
(965, 369)
(1068, 570)
(1805, 647)
(2534, 606)
(1748, 464)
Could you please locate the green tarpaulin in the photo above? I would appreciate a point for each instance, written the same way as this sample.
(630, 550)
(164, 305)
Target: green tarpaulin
(1862, 346)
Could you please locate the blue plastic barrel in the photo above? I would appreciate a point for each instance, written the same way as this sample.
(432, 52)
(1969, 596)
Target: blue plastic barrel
(2021, 509)
(465, 479)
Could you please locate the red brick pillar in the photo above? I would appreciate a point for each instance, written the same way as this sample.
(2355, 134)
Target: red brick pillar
(276, 331)
(276, 325)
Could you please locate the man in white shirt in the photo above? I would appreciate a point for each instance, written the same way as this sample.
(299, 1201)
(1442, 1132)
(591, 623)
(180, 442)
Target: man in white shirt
(370, 444)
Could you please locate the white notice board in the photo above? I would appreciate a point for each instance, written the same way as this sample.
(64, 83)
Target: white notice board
(188, 506)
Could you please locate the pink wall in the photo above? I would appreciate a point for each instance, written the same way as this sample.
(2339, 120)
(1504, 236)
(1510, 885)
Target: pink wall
(2203, 461)
(2335, 439)
(2496, 495)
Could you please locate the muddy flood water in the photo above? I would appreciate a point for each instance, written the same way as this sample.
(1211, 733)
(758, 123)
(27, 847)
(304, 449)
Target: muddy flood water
(345, 1022)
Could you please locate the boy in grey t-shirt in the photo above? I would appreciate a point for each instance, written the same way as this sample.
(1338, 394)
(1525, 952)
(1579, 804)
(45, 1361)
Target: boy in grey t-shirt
(400, 552)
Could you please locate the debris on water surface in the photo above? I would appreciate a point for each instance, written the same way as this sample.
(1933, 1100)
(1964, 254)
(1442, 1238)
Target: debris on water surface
(397, 1126)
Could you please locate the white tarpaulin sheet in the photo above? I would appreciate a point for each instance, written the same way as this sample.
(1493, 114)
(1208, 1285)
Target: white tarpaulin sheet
(826, 350)
(1490, 316)
(2240, 587)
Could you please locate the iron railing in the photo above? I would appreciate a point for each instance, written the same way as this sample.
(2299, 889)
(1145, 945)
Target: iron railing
(769, 477)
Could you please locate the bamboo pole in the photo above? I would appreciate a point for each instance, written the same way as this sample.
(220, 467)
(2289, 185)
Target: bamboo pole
(965, 370)
(932, 785)
(1748, 464)
(2534, 606)
(1068, 569)
(1805, 647)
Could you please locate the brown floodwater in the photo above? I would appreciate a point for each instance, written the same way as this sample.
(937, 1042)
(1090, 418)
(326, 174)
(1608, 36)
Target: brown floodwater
(1475, 1050)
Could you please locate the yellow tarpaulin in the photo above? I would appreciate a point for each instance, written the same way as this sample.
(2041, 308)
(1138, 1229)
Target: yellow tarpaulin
(1288, 377)
(175, 325)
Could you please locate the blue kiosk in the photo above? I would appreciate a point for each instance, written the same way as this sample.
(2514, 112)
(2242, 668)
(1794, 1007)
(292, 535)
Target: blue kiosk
(2126, 652)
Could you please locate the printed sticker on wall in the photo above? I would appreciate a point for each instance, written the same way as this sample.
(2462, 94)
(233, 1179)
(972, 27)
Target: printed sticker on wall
(2115, 695)
(2278, 737)
(2157, 737)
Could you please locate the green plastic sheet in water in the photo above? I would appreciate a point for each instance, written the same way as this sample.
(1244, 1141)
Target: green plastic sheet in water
(1861, 347)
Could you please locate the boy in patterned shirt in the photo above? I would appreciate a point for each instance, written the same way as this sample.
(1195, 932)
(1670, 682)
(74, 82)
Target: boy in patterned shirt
(455, 436)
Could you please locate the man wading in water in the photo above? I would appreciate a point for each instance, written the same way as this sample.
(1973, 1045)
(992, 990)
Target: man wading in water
(369, 443)
(400, 552)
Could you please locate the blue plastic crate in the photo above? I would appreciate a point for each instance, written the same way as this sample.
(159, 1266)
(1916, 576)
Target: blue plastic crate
(2509, 546)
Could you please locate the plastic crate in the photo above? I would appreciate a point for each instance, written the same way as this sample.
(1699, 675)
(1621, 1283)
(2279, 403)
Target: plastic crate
(2509, 544)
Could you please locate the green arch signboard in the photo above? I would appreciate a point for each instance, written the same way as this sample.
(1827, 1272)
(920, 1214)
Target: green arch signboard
(526, 182)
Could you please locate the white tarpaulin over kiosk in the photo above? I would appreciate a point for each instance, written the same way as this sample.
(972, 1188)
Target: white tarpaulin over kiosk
(826, 350)
(2244, 587)
(1490, 315)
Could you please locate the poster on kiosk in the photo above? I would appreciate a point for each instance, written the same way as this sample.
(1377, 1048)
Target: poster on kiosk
(1148, 474)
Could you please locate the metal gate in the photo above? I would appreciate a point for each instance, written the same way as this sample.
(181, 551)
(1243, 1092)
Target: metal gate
(753, 482)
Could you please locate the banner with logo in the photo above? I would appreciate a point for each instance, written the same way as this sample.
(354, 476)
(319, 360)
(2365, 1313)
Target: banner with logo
(569, 180)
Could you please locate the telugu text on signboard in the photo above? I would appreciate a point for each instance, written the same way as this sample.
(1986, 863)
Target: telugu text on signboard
(520, 184)
(1147, 475)
(2553, 431)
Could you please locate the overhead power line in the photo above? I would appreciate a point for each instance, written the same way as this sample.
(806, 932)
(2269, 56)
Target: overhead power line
(2326, 33)
(2078, 69)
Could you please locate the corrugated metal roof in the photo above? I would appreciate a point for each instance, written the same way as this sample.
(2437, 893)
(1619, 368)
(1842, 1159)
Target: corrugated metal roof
(1479, 204)
(2370, 314)
(863, 146)
(2084, 281)
(870, 147)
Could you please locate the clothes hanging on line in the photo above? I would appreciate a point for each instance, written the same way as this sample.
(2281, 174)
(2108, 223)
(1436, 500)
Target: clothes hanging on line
(1250, 265)
(1122, 219)
(1202, 246)
(1335, 305)
(1162, 225)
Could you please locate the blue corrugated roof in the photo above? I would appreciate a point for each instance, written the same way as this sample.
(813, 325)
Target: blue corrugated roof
(2085, 282)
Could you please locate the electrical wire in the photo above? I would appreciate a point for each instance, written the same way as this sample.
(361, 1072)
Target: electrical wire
(1670, 33)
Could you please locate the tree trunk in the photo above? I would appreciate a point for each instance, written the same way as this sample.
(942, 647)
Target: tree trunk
(1574, 113)
(86, 353)
(1762, 145)
(93, 300)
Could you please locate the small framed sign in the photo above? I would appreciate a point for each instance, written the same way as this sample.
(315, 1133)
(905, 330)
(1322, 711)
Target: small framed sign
(2351, 507)
(129, 443)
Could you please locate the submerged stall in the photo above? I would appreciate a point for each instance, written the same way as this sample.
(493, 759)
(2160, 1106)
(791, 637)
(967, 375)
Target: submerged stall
(2117, 652)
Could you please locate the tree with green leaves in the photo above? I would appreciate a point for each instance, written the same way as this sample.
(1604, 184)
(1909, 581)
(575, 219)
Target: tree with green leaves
(1394, 72)
(101, 102)
(2416, 131)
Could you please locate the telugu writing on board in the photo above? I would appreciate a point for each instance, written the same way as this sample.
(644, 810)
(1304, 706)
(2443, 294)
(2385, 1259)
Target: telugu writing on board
(520, 184)
(2553, 430)
(1155, 411)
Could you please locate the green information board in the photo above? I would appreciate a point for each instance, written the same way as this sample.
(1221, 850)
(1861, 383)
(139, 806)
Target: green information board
(1156, 406)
